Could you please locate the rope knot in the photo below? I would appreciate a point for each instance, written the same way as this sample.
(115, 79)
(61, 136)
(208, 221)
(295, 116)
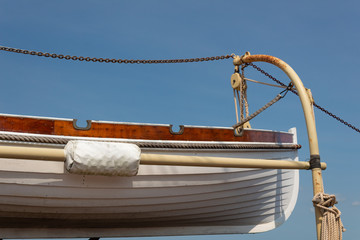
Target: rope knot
(331, 227)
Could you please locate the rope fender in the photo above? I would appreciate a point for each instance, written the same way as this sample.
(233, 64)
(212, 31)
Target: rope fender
(331, 226)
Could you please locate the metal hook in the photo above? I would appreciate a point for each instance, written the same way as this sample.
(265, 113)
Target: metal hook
(181, 131)
(88, 125)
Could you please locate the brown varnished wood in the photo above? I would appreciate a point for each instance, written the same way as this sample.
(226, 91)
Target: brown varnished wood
(136, 131)
(108, 130)
(26, 125)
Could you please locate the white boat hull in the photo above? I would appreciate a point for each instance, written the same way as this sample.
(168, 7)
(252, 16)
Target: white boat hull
(39, 199)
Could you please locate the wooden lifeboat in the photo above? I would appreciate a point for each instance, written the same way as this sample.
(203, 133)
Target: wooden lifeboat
(40, 199)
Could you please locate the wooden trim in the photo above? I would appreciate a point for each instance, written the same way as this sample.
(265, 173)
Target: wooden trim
(137, 131)
(26, 125)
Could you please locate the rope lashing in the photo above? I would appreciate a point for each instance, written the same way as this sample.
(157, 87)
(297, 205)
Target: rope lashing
(277, 98)
(331, 226)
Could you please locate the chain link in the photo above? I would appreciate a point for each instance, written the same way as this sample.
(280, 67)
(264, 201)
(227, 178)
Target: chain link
(184, 60)
(108, 60)
(315, 105)
(337, 118)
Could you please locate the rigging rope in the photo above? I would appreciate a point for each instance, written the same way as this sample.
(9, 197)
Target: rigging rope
(277, 98)
(243, 91)
(242, 122)
(236, 92)
(239, 86)
(315, 105)
(264, 83)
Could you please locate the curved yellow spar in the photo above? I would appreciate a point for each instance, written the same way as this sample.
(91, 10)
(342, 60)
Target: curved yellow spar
(307, 105)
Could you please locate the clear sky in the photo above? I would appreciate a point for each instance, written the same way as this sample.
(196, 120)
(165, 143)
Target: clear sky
(319, 39)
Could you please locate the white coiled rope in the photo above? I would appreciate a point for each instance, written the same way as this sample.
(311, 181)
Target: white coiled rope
(331, 226)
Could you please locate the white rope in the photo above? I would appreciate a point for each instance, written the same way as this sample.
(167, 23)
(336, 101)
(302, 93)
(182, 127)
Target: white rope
(236, 108)
(267, 84)
(264, 83)
(241, 105)
(331, 226)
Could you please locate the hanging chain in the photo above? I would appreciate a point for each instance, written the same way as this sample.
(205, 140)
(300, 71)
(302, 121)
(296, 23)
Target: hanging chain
(108, 60)
(184, 60)
(315, 105)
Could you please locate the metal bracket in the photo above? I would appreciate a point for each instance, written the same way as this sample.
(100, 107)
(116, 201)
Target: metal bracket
(238, 132)
(315, 161)
(88, 125)
(181, 131)
(308, 92)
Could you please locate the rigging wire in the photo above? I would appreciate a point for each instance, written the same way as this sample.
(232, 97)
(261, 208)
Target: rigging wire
(315, 104)
(184, 60)
(264, 83)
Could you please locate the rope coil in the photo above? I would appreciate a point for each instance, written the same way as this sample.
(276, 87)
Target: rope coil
(331, 226)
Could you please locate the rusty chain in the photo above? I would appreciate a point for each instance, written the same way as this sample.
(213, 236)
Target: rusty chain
(315, 105)
(108, 60)
(184, 60)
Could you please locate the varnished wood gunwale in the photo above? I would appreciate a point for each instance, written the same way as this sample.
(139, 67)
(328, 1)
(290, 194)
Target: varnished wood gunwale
(62, 127)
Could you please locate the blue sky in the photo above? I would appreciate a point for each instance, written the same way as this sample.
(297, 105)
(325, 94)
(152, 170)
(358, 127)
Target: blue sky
(319, 39)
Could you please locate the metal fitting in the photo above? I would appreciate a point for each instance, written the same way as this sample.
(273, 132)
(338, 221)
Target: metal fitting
(314, 161)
